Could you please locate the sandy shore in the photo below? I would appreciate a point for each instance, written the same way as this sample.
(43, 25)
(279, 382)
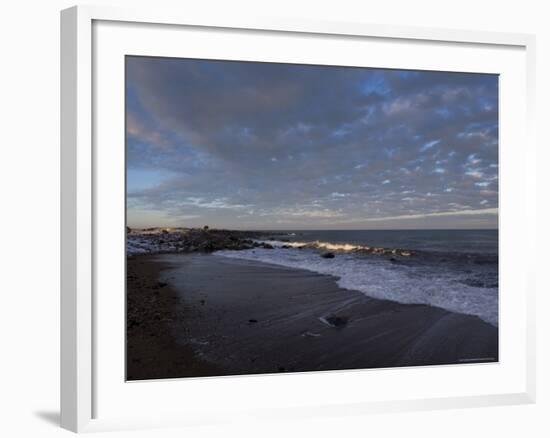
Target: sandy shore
(202, 315)
(154, 314)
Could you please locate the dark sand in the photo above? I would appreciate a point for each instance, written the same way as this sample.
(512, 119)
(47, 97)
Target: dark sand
(153, 313)
(221, 316)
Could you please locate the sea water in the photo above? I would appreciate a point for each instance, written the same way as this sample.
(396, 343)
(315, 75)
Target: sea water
(456, 270)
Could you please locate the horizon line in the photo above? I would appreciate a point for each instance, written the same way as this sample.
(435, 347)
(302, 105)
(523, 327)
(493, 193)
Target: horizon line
(317, 229)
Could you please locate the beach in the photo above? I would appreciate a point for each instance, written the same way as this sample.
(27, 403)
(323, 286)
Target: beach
(198, 314)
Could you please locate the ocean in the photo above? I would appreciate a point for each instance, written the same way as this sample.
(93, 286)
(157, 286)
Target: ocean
(456, 270)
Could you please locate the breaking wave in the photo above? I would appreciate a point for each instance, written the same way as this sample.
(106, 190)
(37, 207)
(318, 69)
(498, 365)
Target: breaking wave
(436, 285)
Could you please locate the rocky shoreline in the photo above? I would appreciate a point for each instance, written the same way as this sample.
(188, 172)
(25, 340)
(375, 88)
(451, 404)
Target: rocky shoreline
(186, 240)
(206, 240)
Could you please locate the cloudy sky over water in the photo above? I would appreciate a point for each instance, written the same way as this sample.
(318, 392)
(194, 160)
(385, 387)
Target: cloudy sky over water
(279, 146)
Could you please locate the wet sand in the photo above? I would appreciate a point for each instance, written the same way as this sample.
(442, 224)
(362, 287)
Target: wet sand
(219, 316)
(154, 313)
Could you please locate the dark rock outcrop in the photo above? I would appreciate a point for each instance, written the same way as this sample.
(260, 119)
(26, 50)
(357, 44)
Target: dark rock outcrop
(337, 321)
(173, 240)
(176, 240)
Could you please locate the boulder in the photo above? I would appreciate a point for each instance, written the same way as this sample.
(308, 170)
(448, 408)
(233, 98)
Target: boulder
(337, 321)
(327, 255)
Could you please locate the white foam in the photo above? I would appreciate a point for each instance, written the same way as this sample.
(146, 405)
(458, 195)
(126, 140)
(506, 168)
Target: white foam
(135, 245)
(315, 244)
(378, 278)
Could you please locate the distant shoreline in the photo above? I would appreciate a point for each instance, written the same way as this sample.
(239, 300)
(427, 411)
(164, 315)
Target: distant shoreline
(287, 230)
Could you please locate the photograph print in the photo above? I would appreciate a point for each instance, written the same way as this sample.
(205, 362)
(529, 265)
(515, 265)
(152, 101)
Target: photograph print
(286, 218)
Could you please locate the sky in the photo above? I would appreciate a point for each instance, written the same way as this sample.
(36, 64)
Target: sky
(249, 145)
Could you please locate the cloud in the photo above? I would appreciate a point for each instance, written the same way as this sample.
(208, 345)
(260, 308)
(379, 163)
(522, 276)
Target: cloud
(429, 145)
(491, 211)
(241, 144)
(325, 213)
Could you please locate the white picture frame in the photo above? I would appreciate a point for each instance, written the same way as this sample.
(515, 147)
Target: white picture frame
(81, 370)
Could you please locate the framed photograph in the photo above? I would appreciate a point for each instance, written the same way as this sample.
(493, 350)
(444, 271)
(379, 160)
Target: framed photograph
(253, 209)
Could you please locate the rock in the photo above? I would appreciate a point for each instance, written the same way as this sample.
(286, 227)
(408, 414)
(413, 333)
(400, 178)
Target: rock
(209, 246)
(393, 259)
(128, 230)
(267, 246)
(327, 255)
(286, 246)
(167, 240)
(252, 321)
(337, 321)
